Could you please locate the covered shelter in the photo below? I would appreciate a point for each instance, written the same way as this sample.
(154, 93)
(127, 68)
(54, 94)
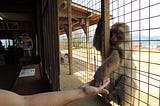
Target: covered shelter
(42, 21)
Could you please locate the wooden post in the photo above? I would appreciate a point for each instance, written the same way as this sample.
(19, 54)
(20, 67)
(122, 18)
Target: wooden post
(105, 40)
(66, 29)
(70, 36)
(86, 31)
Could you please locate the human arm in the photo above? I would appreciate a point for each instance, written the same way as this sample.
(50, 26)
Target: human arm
(58, 98)
(8, 98)
(61, 98)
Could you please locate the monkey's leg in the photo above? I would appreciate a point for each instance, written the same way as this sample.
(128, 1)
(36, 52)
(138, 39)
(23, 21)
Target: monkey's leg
(122, 91)
(116, 89)
(130, 91)
(109, 65)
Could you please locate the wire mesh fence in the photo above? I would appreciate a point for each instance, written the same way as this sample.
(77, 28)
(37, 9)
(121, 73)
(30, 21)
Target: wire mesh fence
(143, 18)
(84, 56)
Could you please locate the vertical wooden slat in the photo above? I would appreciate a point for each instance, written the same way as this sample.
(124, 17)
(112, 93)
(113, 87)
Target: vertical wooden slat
(105, 40)
(54, 39)
(39, 35)
(86, 31)
(70, 37)
(51, 42)
(50, 45)
(44, 27)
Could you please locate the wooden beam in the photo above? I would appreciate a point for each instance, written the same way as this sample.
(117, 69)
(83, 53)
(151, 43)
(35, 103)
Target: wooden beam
(70, 37)
(86, 31)
(75, 14)
(105, 40)
(54, 44)
(64, 21)
(59, 2)
(66, 29)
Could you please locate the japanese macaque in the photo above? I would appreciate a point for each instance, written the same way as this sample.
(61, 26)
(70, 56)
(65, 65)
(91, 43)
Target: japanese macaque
(118, 66)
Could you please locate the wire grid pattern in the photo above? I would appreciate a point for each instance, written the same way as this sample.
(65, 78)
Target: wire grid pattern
(81, 67)
(143, 17)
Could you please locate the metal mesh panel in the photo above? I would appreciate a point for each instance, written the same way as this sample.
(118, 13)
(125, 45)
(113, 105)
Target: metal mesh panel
(143, 18)
(85, 58)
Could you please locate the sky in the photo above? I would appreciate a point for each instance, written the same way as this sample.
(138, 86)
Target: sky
(135, 13)
(143, 16)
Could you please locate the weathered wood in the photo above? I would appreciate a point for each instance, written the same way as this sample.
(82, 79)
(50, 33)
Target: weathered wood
(54, 42)
(59, 2)
(50, 39)
(70, 37)
(78, 12)
(105, 40)
(64, 21)
(75, 13)
(86, 31)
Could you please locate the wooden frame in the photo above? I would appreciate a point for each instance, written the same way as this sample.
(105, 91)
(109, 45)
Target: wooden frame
(12, 26)
(2, 26)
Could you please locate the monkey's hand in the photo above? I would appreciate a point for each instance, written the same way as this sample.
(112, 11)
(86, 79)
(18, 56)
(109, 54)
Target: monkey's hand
(109, 65)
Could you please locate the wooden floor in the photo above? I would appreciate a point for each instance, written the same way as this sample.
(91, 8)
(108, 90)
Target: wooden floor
(31, 84)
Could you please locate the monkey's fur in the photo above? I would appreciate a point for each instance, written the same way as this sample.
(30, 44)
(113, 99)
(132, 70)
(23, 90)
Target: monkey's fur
(118, 66)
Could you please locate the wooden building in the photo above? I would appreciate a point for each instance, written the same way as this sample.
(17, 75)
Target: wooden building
(29, 32)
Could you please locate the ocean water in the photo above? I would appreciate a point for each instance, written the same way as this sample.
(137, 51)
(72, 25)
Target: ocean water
(146, 41)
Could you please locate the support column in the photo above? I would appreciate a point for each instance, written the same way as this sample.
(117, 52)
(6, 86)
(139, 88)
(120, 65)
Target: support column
(69, 37)
(86, 31)
(105, 41)
(69, 34)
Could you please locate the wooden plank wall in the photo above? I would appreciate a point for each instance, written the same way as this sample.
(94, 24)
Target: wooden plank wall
(50, 42)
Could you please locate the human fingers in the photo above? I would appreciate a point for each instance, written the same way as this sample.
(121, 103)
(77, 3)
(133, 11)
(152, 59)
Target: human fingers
(104, 91)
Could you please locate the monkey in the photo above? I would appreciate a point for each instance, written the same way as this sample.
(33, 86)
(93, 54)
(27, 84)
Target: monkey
(118, 65)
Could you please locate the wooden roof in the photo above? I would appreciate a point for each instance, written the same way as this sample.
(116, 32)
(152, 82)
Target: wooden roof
(79, 14)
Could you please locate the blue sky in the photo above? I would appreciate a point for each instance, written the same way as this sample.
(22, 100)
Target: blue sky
(143, 16)
(135, 12)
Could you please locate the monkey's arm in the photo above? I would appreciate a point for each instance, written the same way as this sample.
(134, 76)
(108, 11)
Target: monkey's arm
(109, 65)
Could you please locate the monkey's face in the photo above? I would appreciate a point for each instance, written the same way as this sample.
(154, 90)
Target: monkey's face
(116, 36)
(119, 32)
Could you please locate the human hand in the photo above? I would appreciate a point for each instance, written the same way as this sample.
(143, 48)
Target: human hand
(91, 90)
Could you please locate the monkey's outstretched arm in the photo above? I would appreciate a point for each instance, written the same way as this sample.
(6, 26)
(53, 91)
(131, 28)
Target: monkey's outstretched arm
(109, 65)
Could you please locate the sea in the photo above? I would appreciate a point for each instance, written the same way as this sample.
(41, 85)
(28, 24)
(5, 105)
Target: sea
(146, 41)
